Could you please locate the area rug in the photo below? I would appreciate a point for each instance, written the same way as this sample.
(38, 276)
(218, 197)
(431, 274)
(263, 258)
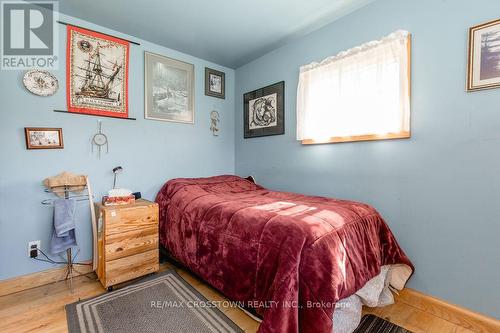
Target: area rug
(160, 303)
(373, 324)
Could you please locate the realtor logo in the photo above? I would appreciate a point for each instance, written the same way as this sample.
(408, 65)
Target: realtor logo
(29, 35)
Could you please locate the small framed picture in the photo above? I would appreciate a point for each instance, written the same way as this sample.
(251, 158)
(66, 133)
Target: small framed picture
(264, 111)
(215, 83)
(484, 56)
(43, 138)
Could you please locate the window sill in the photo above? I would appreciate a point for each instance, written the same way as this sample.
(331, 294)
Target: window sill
(370, 137)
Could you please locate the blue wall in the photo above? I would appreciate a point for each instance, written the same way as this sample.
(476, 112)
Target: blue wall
(150, 152)
(440, 190)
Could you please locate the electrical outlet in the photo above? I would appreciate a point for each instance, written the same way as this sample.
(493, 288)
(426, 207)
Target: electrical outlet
(33, 247)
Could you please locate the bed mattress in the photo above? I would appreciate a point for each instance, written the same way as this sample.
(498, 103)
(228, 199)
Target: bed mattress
(292, 257)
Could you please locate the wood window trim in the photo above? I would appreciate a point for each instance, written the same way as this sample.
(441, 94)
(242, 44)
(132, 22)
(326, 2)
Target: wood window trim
(371, 137)
(356, 138)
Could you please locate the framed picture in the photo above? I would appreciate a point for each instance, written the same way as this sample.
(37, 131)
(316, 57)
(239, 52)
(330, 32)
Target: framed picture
(484, 56)
(96, 73)
(43, 138)
(264, 111)
(215, 83)
(168, 89)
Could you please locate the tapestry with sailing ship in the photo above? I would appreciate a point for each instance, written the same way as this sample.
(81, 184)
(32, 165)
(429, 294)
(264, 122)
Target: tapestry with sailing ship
(97, 73)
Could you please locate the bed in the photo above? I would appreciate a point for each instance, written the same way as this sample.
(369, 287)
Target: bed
(289, 256)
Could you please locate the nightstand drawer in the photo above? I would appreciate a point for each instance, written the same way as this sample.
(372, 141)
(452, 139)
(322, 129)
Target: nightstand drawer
(124, 220)
(127, 241)
(131, 242)
(128, 268)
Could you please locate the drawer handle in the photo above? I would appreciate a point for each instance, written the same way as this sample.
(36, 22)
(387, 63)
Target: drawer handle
(119, 249)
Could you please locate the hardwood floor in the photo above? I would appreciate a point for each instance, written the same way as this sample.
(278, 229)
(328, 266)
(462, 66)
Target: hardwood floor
(414, 319)
(41, 309)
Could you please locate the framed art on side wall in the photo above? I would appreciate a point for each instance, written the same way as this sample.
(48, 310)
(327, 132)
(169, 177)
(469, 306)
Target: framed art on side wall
(264, 111)
(97, 73)
(168, 89)
(43, 138)
(484, 56)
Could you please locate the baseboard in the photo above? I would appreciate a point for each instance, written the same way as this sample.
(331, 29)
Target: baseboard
(23, 282)
(455, 314)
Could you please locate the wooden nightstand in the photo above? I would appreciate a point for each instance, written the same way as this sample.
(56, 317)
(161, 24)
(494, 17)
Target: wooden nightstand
(127, 241)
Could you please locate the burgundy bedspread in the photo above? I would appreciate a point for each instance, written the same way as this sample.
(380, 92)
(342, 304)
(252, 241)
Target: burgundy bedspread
(290, 256)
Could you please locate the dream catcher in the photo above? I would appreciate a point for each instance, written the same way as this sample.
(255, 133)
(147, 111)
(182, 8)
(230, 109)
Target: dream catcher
(100, 140)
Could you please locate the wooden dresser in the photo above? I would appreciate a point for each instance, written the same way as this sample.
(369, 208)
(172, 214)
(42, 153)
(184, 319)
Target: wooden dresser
(127, 241)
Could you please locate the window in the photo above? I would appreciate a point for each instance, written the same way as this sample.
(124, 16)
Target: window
(358, 95)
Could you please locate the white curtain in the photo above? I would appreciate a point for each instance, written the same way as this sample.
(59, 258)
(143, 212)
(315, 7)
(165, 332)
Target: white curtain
(362, 91)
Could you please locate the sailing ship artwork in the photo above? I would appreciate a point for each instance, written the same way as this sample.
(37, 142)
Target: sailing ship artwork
(484, 56)
(97, 73)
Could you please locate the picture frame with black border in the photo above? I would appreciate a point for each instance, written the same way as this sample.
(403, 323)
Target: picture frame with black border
(215, 83)
(264, 111)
